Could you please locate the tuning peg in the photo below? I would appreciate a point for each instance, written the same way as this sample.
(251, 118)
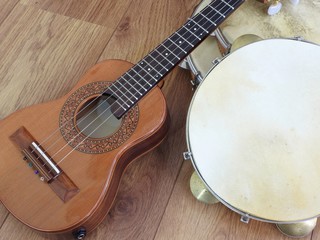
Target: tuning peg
(274, 8)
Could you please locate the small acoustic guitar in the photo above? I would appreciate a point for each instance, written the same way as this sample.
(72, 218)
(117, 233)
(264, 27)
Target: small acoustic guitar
(63, 160)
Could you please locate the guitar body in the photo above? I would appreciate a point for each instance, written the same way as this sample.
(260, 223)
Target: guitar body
(92, 167)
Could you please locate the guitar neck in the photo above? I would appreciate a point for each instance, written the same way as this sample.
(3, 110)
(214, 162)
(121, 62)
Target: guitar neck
(146, 74)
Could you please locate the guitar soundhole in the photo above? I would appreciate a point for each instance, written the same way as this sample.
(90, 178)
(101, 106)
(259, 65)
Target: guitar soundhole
(80, 129)
(95, 118)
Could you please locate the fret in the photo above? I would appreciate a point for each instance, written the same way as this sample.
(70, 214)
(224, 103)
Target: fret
(227, 4)
(159, 62)
(144, 63)
(208, 19)
(128, 89)
(221, 8)
(122, 107)
(217, 11)
(117, 96)
(136, 82)
(177, 45)
(163, 60)
(158, 73)
(185, 39)
(166, 53)
(191, 20)
(164, 57)
(132, 77)
(117, 108)
(203, 22)
(149, 72)
(131, 85)
(192, 33)
(141, 77)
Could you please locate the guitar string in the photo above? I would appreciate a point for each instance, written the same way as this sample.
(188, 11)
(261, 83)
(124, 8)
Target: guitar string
(131, 86)
(94, 120)
(106, 110)
(64, 157)
(91, 102)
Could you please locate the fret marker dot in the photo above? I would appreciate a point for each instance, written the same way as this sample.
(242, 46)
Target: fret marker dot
(149, 69)
(180, 42)
(195, 29)
(167, 54)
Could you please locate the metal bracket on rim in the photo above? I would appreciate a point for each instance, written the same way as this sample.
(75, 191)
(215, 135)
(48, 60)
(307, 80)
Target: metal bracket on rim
(245, 218)
(197, 79)
(187, 155)
(298, 38)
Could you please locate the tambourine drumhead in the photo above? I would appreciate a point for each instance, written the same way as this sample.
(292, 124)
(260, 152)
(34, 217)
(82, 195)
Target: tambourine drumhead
(251, 18)
(254, 130)
(293, 20)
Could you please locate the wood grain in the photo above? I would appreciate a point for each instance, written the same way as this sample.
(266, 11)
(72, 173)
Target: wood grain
(97, 175)
(186, 218)
(9, 231)
(147, 183)
(142, 202)
(107, 13)
(3, 214)
(5, 8)
(154, 182)
(50, 44)
(44, 55)
(316, 232)
(145, 26)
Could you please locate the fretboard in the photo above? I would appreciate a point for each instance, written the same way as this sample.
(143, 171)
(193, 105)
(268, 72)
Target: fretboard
(147, 73)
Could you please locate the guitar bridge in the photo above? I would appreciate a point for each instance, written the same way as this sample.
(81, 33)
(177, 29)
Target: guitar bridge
(41, 161)
(43, 165)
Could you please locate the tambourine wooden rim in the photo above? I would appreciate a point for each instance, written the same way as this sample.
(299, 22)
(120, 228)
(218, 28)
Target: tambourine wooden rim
(265, 44)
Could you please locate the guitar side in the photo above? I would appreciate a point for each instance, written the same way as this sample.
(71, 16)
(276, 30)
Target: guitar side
(93, 176)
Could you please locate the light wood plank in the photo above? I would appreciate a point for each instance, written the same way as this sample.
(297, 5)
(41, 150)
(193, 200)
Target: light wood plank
(186, 218)
(101, 12)
(316, 232)
(12, 229)
(44, 55)
(3, 214)
(145, 26)
(5, 8)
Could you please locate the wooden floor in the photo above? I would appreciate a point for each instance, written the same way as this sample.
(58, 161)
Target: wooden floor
(46, 45)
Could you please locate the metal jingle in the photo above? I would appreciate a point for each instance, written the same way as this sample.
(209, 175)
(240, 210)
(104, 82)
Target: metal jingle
(298, 230)
(199, 190)
(244, 40)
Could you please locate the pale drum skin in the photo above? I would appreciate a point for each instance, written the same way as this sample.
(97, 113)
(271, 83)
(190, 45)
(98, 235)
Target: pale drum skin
(251, 18)
(292, 21)
(254, 131)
